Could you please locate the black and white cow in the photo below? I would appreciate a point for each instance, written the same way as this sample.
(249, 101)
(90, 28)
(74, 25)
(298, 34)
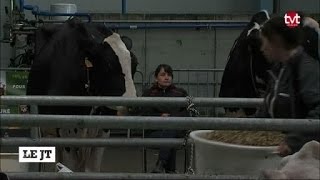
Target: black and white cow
(245, 73)
(78, 59)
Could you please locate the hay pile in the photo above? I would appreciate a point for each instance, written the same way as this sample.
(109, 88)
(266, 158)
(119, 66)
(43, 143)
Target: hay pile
(253, 138)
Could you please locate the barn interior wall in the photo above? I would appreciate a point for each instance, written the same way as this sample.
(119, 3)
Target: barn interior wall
(182, 6)
(181, 48)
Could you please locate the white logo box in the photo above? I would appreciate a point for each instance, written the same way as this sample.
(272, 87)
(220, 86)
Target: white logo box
(43, 154)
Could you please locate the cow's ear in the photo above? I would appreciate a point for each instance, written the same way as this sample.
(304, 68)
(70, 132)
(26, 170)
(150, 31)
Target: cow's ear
(127, 41)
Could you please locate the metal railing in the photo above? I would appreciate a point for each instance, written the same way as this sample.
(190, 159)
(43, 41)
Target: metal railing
(128, 101)
(100, 176)
(145, 122)
(134, 122)
(140, 122)
(95, 142)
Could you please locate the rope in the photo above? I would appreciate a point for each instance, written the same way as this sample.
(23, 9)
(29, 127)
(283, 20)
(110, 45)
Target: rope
(193, 112)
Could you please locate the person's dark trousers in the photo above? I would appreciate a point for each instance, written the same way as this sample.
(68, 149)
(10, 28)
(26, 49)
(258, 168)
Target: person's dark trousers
(167, 155)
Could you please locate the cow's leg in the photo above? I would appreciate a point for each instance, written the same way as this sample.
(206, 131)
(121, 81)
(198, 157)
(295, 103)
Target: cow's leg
(70, 159)
(93, 163)
(237, 114)
(70, 155)
(50, 133)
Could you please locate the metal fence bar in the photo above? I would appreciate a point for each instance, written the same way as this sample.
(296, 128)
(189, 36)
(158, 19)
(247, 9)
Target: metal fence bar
(100, 176)
(188, 80)
(94, 142)
(35, 134)
(15, 69)
(129, 101)
(145, 122)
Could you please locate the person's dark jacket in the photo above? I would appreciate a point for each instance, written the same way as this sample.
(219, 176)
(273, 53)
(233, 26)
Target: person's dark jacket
(294, 93)
(171, 91)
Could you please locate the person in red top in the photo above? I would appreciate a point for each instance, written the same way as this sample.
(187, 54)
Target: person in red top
(163, 87)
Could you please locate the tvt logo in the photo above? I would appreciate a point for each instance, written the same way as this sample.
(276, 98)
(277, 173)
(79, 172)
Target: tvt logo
(292, 19)
(37, 154)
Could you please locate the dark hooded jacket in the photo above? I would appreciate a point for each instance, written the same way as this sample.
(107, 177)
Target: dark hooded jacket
(171, 91)
(294, 92)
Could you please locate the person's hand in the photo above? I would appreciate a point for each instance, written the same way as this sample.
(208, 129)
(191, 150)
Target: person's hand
(165, 114)
(283, 149)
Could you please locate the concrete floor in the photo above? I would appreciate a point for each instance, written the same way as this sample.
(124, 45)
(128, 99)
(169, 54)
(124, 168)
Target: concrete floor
(129, 160)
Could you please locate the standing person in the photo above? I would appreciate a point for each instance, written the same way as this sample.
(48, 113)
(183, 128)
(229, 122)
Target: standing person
(294, 87)
(163, 87)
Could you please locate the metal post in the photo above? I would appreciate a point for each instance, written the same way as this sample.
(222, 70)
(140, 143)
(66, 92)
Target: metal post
(34, 134)
(188, 80)
(124, 7)
(276, 6)
(197, 81)
(215, 66)
(207, 109)
(11, 11)
(144, 154)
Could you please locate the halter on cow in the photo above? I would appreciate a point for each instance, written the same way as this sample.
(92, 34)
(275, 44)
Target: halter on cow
(78, 59)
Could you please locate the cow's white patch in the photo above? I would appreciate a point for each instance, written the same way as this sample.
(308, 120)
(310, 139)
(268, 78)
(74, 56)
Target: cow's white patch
(256, 26)
(125, 60)
(266, 12)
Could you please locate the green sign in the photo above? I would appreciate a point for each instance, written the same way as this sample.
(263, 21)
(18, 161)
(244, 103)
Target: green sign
(13, 83)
